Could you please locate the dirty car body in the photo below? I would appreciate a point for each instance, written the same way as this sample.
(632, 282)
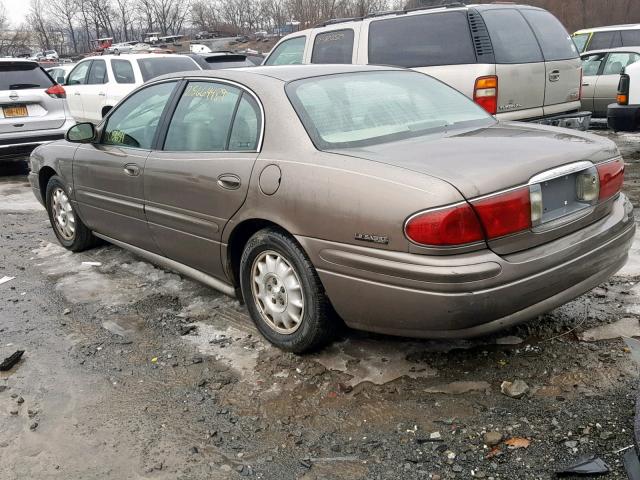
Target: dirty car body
(412, 210)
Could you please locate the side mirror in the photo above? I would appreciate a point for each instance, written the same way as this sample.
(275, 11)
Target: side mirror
(81, 133)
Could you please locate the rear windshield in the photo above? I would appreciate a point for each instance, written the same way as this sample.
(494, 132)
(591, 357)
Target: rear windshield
(369, 108)
(23, 75)
(421, 40)
(154, 67)
(554, 39)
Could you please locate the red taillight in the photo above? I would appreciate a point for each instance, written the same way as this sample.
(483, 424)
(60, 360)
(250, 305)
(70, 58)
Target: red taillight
(57, 91)
(454, 225)
(504, 213)
(485, 93)
(611, 177)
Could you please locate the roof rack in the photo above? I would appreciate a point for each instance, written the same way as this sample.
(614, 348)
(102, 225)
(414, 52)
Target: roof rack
(333, 21)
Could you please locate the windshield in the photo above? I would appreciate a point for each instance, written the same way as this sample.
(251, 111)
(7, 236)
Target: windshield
(368, 108)
(154, 67)
(580, 40)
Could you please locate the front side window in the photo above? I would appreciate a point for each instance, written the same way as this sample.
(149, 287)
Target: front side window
(618, 61)
(154, 67)
(202, 120)
(289, 52)
(554, 39)
(134, 122)
(98, 73)
(123, 71)
(580, 40)
(591, 64)
(78, 75)
(602, 40)
(512, 39)
(368, 108)
(421, 40)
(333, 47)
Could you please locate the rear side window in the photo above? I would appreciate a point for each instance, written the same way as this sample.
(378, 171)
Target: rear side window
(602, 40)
(98, 73)
(123, 71)
(554, 39)
(511, 37)
(333, 47)
(154, 67)
(23, 75)
(289, 52)
(630, 38)
(421, 40)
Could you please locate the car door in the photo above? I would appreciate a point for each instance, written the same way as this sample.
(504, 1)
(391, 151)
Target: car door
(108, 175)
(123, 81)
(200, 177)
(563, 66)
(75, 86)
(591, 68)
(94, 96)
(607, 86)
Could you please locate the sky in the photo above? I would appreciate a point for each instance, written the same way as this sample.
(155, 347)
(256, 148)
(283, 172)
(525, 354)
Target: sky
(16, 10)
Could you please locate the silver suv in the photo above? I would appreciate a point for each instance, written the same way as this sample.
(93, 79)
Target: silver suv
(32, 108)
(516, 61)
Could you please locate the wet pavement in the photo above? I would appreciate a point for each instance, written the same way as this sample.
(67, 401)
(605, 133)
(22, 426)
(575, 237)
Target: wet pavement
(132, 371)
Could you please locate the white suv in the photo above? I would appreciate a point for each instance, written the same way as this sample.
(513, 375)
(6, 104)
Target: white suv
(97, 83)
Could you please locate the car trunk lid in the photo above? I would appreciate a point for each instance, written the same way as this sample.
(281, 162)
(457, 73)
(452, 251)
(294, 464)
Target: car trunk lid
(482, 162)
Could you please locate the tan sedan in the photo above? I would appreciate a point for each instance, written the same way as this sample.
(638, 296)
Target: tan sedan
(372, 194)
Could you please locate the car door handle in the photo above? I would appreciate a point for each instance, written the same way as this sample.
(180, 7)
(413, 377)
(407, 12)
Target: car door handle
(554, 76)
(132, 170)
(585, 84)
(229, 181)
(77, 93)
(102, 94)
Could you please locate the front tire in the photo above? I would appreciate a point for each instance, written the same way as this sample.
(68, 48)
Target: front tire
(283, 293)
(69, 229)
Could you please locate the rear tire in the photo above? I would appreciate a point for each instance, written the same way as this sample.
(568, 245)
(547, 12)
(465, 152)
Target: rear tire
(71, 232)
(283, 293)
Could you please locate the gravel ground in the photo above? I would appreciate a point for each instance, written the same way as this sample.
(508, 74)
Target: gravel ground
(132, 371)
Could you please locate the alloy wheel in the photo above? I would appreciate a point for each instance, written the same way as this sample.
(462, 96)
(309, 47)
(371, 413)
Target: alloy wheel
(63, 216)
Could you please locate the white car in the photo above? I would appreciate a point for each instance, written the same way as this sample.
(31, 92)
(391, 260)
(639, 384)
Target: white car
(199, 48)
(123, 47)
(97, 83)
(624, 115)
(60, 73)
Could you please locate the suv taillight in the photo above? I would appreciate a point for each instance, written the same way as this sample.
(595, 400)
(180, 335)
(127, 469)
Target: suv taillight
(623, 90)
(611, 177)
(485, 93)
(56, 91)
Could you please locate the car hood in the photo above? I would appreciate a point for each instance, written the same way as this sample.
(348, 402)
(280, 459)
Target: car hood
(490, 159)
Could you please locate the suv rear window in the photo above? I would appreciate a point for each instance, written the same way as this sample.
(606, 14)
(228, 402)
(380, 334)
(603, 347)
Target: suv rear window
(23, 75)
(512, 39)
(554, 39)
(154, 67)
(421, 40)
(333, 47)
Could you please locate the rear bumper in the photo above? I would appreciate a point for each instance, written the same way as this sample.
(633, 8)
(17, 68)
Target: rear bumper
(575, 120)
(22, 144)
(470, 294)
(623, 118)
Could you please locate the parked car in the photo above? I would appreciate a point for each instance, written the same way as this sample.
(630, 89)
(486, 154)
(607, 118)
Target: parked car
(603, 38)
(122, 47)
(377, 193)
(61, 72)
(601, 74)
(517, 62)
(624, 114)
(199, 48)
(96, 84)
(216, 60)
(32, 108)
